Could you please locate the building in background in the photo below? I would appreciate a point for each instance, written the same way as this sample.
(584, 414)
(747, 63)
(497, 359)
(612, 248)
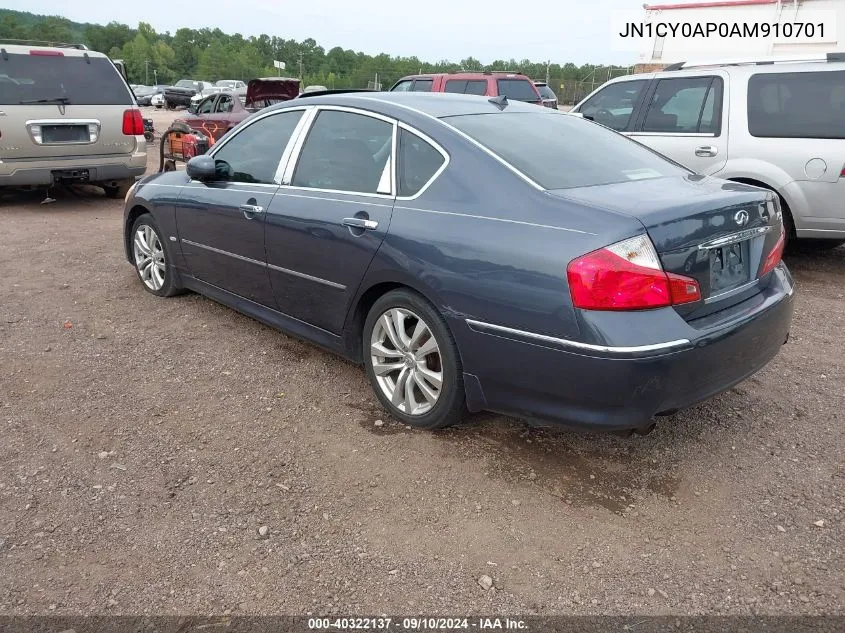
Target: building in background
(658, 52)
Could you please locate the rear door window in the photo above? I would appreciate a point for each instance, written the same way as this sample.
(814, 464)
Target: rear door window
(517, 89)
(456, 85)
(684, 105)
(613, 106)
(464, 86)
(28, 79)
(797, 105)
(423, 85)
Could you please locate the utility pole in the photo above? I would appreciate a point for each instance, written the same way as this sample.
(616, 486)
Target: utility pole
(300, 65)
(548, 65)
(155, 76)
(146, 72)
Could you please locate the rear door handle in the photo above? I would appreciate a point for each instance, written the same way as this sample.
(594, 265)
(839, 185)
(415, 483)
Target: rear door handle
(706, 150)
(360, 223)
(251, 208)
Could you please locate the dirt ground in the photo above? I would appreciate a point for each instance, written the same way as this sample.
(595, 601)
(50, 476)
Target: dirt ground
(145, 442)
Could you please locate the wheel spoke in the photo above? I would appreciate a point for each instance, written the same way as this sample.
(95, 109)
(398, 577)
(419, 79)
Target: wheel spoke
(410, 400)
(427, 348)
(430, 394)
(387, 325)
(380, 368)
(419, 330)
(398, 318)
(378, 349)
(434, 378)
(399, 390)
(141, 246)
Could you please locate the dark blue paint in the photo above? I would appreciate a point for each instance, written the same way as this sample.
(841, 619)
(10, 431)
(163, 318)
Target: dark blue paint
(483, 244)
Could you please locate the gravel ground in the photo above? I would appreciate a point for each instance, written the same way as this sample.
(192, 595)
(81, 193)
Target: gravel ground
(172, 456)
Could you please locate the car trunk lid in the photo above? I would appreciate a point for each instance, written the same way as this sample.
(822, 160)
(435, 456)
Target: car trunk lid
(716, 232)
(264, 92)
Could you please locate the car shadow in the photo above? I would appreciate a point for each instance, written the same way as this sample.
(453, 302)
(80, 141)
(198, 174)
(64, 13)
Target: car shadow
(65, 197)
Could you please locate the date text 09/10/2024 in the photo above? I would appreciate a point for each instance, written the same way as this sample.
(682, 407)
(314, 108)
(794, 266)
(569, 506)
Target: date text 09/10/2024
(416, 624)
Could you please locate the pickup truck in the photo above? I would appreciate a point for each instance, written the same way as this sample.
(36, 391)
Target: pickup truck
(181, 92)
(218, 113)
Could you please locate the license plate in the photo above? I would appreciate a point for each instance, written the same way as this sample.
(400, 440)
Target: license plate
(729, 266)
(65, 134)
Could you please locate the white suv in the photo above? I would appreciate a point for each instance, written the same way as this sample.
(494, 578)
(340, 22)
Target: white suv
(776, 123)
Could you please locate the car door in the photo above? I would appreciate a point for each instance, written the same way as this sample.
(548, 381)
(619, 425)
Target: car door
(221, 222)
(615, 105)
(685, 118)
(331, 214)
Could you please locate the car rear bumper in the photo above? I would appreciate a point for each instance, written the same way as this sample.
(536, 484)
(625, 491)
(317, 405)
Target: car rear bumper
(24, 173)
(616, 388)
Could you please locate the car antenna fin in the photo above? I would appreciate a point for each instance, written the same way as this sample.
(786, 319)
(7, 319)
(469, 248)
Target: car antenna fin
(501, 101)
(5, 54)
(87, 59)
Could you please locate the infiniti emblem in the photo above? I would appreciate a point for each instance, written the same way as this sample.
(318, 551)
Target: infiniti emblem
(741, 217)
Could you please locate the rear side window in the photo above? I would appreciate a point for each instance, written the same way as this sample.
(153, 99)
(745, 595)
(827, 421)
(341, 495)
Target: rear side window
(546, 92)
(548, 147)
(797, 105)
(613, 106)
(418, 162)
(469, 87)
(684, 105)
(423, 85)
(402, 86)
(50, 78)
(517, 89)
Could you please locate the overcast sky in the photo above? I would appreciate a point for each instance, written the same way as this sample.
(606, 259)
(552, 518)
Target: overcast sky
(562, 31)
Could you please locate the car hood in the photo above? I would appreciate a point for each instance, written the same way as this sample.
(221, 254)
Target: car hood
(272, 88)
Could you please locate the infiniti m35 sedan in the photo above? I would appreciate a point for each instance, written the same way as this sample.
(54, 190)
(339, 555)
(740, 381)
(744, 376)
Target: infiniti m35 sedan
(476, 254)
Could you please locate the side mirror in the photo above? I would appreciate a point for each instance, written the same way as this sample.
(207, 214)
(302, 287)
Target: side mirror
(201, 168)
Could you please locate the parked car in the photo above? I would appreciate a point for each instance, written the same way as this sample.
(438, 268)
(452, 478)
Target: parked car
(217, 114)
(181, 92)
(67, 116)
(514, 86)
(205, 92)
(231, 85)
(157, 100)
(642, 287)
(780, 126)
(144, 94)
(549, 97)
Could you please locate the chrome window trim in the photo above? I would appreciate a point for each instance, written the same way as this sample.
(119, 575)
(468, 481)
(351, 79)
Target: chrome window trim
(666, 347)
(465, 136)
(446, 160)
(249, 260)
(487, 217)
(679, 134)
(297, 151)
(303, 124)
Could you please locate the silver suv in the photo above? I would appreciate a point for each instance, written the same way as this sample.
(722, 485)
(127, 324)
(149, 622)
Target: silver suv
(67, 115)
(776, 123)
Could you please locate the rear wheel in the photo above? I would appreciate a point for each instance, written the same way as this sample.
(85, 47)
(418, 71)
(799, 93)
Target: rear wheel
(412, 361)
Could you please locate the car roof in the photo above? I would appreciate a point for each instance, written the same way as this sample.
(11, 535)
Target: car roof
(468, 74)
(435, 104)
(68, 50)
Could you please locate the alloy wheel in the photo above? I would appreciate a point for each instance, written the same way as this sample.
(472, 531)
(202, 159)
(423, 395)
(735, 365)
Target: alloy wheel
(406, 361)
(149, 257)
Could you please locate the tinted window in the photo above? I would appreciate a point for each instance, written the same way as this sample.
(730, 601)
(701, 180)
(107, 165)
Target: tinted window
(402, 86)
(423, 85)
(549, 148)
(253, 154)
(682, 105)
(797, 105)
(546, 92)
(344, 151)
(224, 104)
(476, 87)
(205, 106)
(455, 85)
(35, 77)
(517, 89)
(613, 106)
(418, 162)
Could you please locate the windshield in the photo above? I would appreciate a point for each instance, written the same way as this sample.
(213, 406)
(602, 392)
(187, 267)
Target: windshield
(52, 78)
(142, 91)
(559, 151)
(185, 83)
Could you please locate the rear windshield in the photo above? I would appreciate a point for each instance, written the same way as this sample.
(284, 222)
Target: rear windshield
(797, 105)
(546, 92)
(517, 89)
(559, 151)
(33, 78)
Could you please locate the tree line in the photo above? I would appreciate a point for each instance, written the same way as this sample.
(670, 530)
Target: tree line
(211, 54)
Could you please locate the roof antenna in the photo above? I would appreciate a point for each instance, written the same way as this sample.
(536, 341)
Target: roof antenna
(501, 101)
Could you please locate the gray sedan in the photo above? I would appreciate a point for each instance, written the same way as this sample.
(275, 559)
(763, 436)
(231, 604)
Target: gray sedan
(476, 254)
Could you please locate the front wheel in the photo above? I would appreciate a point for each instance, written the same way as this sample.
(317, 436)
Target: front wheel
(152, 261)
(412, 361)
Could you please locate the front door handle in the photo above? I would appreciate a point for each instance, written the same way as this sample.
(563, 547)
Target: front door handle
(360, 223)
(251, 208)
(706, 151)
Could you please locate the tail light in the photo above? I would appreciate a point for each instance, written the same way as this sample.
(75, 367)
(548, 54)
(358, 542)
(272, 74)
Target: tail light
(133, 123)
(627, 276)
(774, 257)
(842, 173)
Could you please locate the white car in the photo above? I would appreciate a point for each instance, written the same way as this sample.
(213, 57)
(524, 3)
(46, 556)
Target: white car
(205, 90)
(157, 100)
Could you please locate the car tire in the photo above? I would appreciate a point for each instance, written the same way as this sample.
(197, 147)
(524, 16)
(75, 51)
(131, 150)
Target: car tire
(119, 190)
(152, 259)
(418, 377)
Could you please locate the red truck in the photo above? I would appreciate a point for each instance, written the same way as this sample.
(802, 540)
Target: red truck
(218, 113)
